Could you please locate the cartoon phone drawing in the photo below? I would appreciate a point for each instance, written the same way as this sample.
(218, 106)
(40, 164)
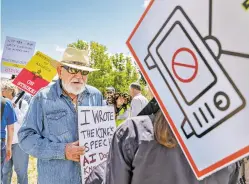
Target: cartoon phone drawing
(202, 88)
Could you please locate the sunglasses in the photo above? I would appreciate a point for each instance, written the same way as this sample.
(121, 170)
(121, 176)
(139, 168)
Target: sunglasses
(75, 71)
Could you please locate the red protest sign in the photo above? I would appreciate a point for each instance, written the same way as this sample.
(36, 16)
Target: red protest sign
(37, 74)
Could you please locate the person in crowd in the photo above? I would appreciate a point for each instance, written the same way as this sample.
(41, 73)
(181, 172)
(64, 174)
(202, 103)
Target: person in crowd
(127, 100)
(123, 102)
(50, 128)
(243, 167)
(19, 158)
(8, 118)
(246, 169)
(109, 96)
(144, 150)
(97, 175)
(119, 102)
(138, 100)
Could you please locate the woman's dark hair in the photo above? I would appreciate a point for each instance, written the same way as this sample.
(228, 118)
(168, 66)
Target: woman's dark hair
(125, 105)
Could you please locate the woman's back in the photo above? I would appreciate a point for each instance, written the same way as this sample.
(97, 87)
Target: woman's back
(137, 158)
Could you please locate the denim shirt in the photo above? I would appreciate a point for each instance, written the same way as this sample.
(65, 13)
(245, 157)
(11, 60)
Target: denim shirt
(50, 123)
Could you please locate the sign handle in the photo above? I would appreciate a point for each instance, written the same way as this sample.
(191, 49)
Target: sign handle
(19, 97)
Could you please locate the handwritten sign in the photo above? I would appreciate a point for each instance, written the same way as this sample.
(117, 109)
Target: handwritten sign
(96, 129)
(37, 73)
(16, 53)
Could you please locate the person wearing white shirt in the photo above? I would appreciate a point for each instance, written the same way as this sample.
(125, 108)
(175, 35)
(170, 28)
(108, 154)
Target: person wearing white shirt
(138, 100)
(19, 158)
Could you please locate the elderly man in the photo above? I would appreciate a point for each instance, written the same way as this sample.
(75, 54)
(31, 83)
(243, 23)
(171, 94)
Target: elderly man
(138, 100)
(50, 129)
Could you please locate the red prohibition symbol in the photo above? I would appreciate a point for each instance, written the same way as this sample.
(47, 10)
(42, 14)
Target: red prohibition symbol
(177, 63)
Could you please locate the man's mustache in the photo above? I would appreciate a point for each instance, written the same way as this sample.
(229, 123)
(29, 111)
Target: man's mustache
(78, 81)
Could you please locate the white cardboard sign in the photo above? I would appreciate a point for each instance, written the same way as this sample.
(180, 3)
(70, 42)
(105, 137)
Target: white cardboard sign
(16, 54)
(96, 129)
(195, 56)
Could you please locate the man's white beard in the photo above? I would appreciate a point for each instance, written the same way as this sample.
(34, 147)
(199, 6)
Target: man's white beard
(73, 90)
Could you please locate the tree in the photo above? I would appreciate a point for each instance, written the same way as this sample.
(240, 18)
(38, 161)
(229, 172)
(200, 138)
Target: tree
(124, 72)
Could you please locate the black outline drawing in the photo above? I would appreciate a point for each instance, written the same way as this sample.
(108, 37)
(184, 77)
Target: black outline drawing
(215, 39)
(210, 17)
(200, 54)
(218, 103)
(217, 42)
(154, 65)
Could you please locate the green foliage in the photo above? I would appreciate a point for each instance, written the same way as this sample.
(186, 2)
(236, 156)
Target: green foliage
(116, 70)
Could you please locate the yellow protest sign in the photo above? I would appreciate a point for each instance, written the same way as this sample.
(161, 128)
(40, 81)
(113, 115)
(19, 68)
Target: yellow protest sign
(40, 65)
(9, 64)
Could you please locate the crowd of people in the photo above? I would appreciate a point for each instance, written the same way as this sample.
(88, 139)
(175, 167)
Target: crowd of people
(126, 105)
(143, 149)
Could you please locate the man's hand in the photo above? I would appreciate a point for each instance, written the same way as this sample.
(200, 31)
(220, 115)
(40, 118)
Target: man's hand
(8, 153)
(73, 151)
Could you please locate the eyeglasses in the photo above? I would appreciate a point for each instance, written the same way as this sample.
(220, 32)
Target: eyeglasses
(75, 71)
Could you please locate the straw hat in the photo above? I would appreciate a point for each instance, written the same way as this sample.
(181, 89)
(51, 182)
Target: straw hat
(75, 58)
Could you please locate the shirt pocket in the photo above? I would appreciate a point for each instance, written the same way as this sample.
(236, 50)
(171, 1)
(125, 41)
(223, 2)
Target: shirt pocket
(57, 122)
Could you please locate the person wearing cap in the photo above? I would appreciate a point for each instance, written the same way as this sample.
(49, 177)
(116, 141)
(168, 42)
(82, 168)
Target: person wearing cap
(138, 100)
(50, 128)
(109, 96)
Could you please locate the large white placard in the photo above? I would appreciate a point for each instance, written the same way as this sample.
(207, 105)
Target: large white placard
(16, 53)
(195, 56)
(96, 129)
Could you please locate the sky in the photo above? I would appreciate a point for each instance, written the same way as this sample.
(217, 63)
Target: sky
(53, 24)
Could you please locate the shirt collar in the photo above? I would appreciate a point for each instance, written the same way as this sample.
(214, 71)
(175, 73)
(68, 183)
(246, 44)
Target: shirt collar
(138, 94)
(58, 87)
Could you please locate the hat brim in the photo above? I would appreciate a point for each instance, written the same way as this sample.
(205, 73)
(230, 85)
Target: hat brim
(55, 64)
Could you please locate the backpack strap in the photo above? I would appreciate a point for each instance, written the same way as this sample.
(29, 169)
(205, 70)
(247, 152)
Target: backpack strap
(3, 102)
